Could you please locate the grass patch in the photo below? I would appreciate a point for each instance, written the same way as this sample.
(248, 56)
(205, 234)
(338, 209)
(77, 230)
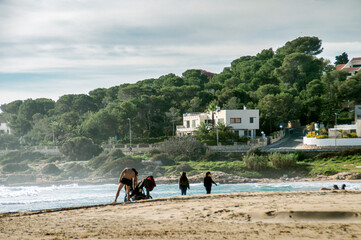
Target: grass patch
(334, 165)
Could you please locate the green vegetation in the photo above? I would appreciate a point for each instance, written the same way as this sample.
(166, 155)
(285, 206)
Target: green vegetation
(254, 164)
(288, 83)
(284, 84)
(283, 161)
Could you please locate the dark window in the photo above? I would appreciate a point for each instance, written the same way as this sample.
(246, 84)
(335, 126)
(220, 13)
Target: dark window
(236, 120)
(188, 124)
(251, 120)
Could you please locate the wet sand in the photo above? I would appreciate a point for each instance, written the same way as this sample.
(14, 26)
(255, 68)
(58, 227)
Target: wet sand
(262, 215)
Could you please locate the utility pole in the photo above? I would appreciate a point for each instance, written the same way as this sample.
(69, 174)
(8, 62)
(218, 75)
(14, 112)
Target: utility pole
(130, 134)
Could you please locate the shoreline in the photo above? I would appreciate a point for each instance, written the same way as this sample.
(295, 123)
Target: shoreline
(256, 215)
(192, 179)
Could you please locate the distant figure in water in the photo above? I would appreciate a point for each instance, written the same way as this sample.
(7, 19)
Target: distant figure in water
(208, 182)
(335, 187)
(183, 183)
(128, 177)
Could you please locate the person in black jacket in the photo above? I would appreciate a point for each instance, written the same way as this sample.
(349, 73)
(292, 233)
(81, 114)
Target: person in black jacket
(183, 183)
(208, 182)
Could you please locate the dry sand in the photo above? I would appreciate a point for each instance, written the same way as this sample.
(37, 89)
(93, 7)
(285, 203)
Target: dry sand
(265, 215)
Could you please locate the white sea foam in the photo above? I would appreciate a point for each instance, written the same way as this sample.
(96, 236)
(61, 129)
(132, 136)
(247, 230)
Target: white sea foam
(25, 198)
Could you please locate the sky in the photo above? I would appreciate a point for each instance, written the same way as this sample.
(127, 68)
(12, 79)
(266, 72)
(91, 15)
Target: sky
(49, 48)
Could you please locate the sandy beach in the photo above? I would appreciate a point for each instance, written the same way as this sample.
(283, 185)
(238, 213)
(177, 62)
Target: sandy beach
(262, 215)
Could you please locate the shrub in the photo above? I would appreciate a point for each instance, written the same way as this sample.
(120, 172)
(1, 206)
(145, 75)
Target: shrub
(51, 169)
(211, 156)
(353, 135)
(77, 170)
(15, 167)
(115, 153)
(243, 139)
(254, 151)
(164, 159)
(9, 141)
(184, 167)
(321, 136)
(282, 161)
(188, 146)
(299, 155)
(21, 156)
(80, 148)
(311, 134)
(115, 167)
(181, 158)
(154, 151)
(255, 162)
(53, 159)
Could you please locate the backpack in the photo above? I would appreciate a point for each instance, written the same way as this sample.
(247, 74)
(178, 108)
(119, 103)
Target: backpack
(151, 183)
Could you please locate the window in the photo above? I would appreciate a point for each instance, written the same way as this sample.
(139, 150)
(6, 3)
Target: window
(193, 123)
(188, 124)
(236, 132)
(236, 120)
(251, 120)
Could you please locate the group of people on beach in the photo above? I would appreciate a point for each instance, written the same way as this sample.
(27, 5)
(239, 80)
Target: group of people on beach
(129, 179)
(184, 183)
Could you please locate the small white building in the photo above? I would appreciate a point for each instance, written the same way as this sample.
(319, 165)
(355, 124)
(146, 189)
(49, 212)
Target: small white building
(352, 67)
(337, 130)
(4, 127)
(243, 122)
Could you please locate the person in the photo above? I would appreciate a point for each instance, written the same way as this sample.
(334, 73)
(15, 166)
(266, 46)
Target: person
(335, 187)
(183, 183)
(208, 182)
(128, 177)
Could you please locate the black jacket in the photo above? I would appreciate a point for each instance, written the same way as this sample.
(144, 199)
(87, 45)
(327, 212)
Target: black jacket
(208, 181)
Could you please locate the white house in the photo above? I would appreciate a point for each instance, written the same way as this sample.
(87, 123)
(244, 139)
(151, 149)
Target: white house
(348, 128)
(352, 67)
(4, 127)
(243, 122)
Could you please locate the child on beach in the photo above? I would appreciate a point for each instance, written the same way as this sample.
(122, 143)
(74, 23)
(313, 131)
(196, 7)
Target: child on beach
(208, 182)
(183, 183)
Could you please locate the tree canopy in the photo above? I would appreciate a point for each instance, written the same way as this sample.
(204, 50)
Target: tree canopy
(288, 83)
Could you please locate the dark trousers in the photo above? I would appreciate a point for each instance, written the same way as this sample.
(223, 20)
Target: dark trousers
(183, 190)
(208, 189)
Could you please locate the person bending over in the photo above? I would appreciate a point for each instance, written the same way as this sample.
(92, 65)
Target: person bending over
(128, 177)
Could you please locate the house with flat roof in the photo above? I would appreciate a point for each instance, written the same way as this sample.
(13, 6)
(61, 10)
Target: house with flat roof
(352, 67)
(243, 122)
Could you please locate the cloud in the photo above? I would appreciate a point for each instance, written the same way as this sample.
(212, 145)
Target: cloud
(91, 43)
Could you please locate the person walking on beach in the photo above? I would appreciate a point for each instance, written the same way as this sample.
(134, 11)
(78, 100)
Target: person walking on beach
(128, 177)
(183, 183)
(208, 182)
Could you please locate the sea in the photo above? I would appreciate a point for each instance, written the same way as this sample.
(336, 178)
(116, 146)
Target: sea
(31, 198)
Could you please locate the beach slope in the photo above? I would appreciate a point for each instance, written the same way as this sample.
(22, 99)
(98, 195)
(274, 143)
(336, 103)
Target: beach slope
(262, 215)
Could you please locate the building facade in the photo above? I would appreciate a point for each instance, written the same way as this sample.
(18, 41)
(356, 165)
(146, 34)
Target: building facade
(352, 67)
(337, 130)
(242, 122)
(4, 127)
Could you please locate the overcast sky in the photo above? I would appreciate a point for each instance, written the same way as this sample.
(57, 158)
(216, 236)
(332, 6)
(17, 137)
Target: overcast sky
(49, 48)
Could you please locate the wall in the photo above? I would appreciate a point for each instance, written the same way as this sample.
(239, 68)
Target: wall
(328, 142)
